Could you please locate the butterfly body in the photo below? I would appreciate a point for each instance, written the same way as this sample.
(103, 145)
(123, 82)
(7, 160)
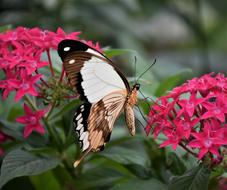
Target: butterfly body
(128, 109)
(105, 91)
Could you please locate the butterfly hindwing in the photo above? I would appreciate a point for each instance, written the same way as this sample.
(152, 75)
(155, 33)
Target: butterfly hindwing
(102, 117)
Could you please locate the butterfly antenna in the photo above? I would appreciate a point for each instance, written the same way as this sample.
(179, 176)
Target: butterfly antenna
(135, 62)
(145, 70)
(77, 162)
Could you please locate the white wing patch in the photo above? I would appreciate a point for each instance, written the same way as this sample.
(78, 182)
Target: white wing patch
(89, 50)
(99, 79)
(80, 125)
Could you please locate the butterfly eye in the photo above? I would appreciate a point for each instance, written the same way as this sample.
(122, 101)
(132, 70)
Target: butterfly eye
(66, 48)
(136, 86)
(72, 61)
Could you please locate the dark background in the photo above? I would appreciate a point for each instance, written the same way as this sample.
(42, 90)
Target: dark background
(188, 38)
(180, 34)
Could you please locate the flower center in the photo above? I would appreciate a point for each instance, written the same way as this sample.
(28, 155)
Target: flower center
(24, 86)
(186, 126)
(33, 64)
(190, 105)
(217, 111)
(32, 120)
(207, 143)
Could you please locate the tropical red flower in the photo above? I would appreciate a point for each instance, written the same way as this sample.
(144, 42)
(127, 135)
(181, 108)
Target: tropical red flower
(23, 50)
(193, 115)
(24, 56)
(32, 121)
(25, 85)
(207, 140)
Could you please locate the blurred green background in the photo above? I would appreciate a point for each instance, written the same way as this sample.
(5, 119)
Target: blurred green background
(187, 38)
(178, 33)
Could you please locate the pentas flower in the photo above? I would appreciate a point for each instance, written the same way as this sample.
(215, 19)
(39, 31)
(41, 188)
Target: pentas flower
(193, 116)
(22, 49)
(25, 85)
(25, 54)
(32, 121)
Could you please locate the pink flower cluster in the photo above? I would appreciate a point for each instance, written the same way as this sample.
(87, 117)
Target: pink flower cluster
(193, 116)
(21, 57)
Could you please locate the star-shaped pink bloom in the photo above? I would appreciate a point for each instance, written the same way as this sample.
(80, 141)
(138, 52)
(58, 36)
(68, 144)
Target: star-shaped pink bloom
(207, 141)
(173, 139)
(189, 106)
(184, 127)
(7, 88)
(216, 109)
(32, 121)
(25, 85)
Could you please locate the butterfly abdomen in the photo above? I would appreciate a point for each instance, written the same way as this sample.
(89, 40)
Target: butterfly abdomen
(129, 118)
(129, 113)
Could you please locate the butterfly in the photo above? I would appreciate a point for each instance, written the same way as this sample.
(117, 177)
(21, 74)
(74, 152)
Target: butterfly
(103, 88)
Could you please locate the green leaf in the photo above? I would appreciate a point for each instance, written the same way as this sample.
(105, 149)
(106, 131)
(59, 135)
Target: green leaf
(62, 175)
(22, 163)
(46, 178)
(170, 82)
(194, 179)
(127, 156)
(114, 52)
(175, 164)
(102, 176)
(5, 28)
(71, 105)
(15, 131)
(11, 129)
(135, 184)
(14, 112)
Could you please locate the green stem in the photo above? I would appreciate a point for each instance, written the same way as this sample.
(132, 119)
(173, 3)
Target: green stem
(53, 135)
(51, 110)
(50, 62)
(188, 150)
(30, 102)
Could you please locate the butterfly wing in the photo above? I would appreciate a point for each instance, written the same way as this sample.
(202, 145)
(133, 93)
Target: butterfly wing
(94, 123)
(102, 117)
(101, 85)
(89, 71)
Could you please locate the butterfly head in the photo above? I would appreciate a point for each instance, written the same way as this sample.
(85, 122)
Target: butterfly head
(136, 86)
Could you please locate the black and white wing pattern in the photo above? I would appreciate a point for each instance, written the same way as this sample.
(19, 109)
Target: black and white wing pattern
(103, 88)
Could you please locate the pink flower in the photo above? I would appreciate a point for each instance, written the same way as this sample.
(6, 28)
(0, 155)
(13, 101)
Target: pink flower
(31, 121)
(7, 88)
(173, 139)
(216, 109)
(207, 141)
(22, 50)
(25, 85)
(193, 116)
